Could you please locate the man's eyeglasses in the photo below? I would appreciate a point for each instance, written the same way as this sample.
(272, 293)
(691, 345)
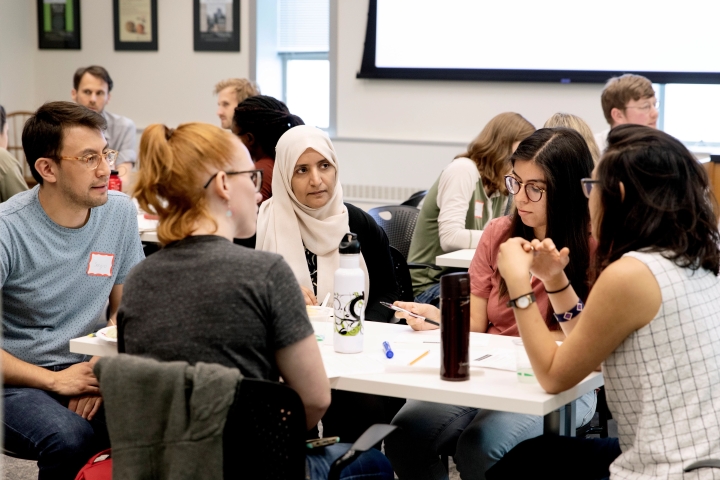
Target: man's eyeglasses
(647, 107)
(255, 176)
(587, 185)
(534, 194)
(92, 160)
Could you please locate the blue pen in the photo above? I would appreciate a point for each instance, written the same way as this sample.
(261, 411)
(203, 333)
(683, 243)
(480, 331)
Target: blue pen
(388, 351)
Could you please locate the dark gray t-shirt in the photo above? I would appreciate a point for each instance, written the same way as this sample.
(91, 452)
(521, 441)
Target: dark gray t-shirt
(204, 299)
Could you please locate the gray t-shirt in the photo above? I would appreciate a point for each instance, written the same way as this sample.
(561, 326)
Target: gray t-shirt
(55, 280)
(205, 299)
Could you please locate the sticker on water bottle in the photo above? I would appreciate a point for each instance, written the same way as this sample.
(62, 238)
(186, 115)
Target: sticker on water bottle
(349, 313)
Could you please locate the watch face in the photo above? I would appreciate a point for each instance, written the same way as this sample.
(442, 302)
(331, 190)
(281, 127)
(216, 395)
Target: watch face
(523, 302)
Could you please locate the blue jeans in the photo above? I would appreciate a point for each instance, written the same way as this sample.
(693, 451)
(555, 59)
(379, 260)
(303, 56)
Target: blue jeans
(369, 465)
(475, 438)
(431, 296)
(39, 425)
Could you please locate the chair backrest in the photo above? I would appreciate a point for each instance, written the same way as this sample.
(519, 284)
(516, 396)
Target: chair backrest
(402, 277)
(415, 198)
(264, 436)
(16, 122)
(398, 221)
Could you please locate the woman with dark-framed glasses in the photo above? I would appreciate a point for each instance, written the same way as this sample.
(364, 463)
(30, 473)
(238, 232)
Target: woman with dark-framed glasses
(545, 166)
(202, 298)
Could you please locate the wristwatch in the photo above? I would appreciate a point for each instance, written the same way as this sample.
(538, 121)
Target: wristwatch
(522, 302)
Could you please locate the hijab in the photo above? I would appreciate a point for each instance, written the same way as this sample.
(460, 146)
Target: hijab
(287, 227)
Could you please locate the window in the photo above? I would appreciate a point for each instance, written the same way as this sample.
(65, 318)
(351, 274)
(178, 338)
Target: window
(303, 38)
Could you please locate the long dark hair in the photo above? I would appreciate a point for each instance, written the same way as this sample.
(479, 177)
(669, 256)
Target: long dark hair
(563, 156)
(266, 118)
(668, 206)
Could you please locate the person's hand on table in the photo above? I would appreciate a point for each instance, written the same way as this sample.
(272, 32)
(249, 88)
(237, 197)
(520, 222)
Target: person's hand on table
(309, 296)
(75, 380)
(428, 311)
(85, 405)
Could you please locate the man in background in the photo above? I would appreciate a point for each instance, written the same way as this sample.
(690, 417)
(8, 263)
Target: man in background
(11, 177)
(92, 87)
(627, 99)
(230, 93)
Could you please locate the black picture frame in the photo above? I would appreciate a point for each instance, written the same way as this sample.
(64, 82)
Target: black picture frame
(58, 24)
(131, 26)
(220, 40)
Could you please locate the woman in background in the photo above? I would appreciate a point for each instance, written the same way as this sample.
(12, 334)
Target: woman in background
(568, 120)
(469, 193)
(651, 318)
(229, 305)
(260, 121)
(543, 166)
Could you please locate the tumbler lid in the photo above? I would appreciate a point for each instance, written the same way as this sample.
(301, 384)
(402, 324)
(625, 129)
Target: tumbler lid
(349, 244)
(455, 285)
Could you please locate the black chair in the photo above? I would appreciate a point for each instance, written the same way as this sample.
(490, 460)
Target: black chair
(415, 198)
(367, 440)
(604, 415)
(398, 221)
(707, 463)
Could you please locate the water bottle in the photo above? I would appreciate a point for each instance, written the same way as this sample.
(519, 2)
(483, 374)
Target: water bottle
(455, 327)
(349, 298)
(115, 182)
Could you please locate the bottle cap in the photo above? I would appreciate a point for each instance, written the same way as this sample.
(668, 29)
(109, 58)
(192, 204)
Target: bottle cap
(114, 172)
(349, 244)
(454, 285)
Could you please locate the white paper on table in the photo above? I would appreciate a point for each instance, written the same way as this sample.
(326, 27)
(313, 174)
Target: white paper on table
(499, 358)
(433, 336)
(146, 225)
(343, 364)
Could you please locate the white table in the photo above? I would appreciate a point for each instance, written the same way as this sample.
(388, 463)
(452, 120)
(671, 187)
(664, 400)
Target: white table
(487, 388)
(457, 259)
(147, 229)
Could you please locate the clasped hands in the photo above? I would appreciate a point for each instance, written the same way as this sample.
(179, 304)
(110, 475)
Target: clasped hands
(79, 383)
(517, 258)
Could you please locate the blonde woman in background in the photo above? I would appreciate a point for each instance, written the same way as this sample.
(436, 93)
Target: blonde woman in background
(569, 120)
(469, 192)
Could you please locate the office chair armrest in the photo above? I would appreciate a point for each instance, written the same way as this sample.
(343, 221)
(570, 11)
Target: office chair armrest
(707, 463)
(373, 435)
(423, 265)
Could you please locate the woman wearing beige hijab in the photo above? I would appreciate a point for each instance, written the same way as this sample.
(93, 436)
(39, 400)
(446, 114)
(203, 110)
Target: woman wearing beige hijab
(306, 218)
(304, 222)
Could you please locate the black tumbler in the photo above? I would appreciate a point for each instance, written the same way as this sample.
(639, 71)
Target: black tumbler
(455, 326)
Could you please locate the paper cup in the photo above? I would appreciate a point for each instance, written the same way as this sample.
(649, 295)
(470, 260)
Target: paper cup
(525, 372)
(325, 315)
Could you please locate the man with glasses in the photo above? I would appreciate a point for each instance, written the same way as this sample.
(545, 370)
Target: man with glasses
(627, 99)
(65, 249)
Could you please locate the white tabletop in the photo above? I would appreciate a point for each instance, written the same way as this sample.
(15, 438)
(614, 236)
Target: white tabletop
(147, 228)
(457, 259)
(370, 372)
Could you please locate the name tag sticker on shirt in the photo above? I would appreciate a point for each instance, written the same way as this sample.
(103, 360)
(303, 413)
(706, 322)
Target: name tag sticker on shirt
(479, 209)
(101, 264)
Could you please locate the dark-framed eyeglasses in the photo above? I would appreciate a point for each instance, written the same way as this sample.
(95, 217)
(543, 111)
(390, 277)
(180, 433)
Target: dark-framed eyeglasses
(533, 192)
(587, 185)
(255, 176)
(92, 160)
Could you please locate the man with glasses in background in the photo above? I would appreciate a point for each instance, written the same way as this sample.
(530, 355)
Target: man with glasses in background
(91, 88)
(627, 99)
(65, 248)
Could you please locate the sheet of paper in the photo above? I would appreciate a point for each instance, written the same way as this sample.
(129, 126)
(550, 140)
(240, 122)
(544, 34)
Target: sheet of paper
(433, 336)
(498, 358)
(338, 364)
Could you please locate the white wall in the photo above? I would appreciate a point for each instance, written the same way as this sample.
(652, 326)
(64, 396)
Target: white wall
(18, 44)
(173, 85)
(435, 111)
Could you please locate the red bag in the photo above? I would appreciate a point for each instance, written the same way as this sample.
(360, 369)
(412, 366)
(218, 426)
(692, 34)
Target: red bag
(98, 467)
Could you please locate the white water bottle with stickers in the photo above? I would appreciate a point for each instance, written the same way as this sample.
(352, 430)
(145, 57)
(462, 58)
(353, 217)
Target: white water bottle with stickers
(349, 298)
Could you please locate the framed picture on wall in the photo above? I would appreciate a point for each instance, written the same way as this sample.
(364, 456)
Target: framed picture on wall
(59, 24)
(135, 24)
(216, 25)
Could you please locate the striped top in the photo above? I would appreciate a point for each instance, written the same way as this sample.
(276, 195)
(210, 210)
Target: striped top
(663, 381)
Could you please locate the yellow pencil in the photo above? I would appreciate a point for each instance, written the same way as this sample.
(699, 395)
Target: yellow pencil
(419, 358)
